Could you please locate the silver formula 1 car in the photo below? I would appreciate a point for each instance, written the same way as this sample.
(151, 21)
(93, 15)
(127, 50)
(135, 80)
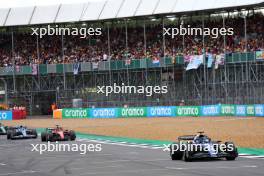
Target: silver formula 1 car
(21, 132)
(200, 146)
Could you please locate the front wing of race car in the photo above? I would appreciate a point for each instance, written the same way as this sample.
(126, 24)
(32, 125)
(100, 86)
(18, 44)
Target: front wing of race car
(21, 136)
(201, 155)
(3, 130)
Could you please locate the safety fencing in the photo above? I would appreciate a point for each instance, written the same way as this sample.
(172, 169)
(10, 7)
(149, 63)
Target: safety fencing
(161, 111)
(13, 115)
(44, 69)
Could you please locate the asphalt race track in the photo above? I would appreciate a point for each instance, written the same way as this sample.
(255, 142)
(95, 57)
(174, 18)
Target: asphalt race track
(16, 158)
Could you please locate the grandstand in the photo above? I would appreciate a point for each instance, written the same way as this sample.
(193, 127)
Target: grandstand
(38, 71)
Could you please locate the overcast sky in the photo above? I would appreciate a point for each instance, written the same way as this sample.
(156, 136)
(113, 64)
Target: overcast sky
(21, 3)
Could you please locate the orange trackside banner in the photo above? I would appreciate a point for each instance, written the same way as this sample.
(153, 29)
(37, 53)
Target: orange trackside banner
(57, 114)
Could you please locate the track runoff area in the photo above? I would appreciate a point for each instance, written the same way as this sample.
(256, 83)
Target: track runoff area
(114, 158)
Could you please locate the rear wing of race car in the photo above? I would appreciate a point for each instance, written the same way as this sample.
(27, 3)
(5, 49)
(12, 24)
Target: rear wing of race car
(186, 138)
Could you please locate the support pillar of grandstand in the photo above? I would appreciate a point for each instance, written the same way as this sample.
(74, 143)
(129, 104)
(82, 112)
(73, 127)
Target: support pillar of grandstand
(38, 57)
(126, 51)
(63, 58)
(183, 38)
(163, 39)
(13, 61)
(224, 37)
(145, 38)
(109, 52)
(204, 61)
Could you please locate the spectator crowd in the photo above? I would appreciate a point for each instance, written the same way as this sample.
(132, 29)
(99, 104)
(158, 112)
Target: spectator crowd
(51, 49)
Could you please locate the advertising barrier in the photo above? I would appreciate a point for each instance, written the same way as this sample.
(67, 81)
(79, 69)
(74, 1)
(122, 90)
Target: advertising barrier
(133, 112)
(104, 112)
(227, 110)
(259, 110)
(241, 110)
(188, 110)
(210, 110)
(250, 110)
(6, 115)
(155, 111)
(75, 113)
(161, 111)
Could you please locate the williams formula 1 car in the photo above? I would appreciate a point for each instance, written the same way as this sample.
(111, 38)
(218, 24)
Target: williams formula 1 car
(21, 132)
(201, 146)
(57, 134)
(3, 129)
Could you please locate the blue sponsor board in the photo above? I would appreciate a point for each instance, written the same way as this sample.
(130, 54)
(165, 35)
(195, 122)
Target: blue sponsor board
(161, 111)
(259, 110)
(103, 113)
(6, 115)
(210, 110)
(241, 110)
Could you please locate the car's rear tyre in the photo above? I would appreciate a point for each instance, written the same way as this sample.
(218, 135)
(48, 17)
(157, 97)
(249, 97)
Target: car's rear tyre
(12, 135)
(186, 157)
(49, 137)
(67, 137)
(233, 154)
(34, 132)
(43, 137)
(72, 135)
(175, 153)
(8, 136)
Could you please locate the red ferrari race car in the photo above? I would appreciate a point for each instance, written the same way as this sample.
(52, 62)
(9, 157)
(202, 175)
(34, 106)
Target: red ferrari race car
(57, 134)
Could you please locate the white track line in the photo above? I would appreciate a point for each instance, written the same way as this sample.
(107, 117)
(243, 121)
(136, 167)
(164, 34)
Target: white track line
(219, 167)
(16, 173)
(121, 144)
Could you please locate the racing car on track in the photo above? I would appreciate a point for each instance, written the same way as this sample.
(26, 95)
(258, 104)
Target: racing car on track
(57, 134)
(21, 132)
(200, 146)
(3, 129)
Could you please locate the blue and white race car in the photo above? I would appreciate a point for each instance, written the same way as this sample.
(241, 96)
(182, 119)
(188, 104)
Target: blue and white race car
(21, 132)
(3, 129)
(200, 146)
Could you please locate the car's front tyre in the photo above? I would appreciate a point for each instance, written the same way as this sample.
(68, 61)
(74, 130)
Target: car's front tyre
(72, 135)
